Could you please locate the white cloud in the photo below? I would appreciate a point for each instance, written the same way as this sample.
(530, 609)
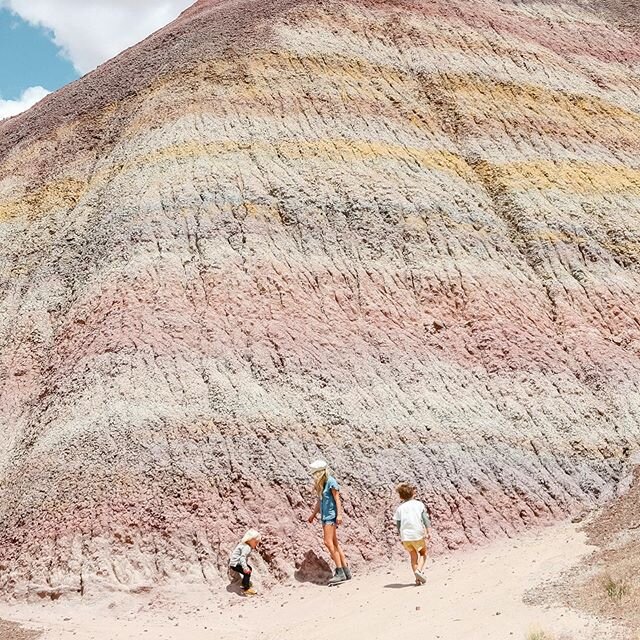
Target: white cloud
(28, 98)
(91, 32)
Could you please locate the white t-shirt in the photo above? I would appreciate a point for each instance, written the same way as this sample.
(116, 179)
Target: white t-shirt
(409, 515)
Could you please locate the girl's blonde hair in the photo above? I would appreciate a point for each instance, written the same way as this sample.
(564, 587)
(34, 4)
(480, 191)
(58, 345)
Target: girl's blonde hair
(320, 480)
(320, 472)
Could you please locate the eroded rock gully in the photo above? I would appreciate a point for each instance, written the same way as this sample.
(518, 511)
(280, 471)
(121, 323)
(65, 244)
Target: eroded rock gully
(402, 235)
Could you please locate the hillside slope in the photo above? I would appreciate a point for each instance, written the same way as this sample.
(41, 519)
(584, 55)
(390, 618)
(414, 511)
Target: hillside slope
(402, 235)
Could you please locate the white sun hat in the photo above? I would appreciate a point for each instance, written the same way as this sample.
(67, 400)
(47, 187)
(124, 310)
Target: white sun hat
(318, 465)
(252, 534)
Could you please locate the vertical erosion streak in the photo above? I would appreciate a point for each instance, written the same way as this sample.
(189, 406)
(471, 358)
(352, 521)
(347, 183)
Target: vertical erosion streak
(489, 176)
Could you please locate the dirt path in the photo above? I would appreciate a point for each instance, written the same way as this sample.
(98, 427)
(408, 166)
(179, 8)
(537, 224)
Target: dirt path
(472, 595)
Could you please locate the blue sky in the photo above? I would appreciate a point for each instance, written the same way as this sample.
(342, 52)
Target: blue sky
(44, 44)
(29, 58)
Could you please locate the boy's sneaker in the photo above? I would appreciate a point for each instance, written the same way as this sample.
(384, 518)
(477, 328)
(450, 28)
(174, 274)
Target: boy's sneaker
(249, 593)
(347, 572)
(338, 577)
(420, 579)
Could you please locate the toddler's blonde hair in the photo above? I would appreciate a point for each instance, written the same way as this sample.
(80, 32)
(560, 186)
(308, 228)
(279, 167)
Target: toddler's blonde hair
(252, 534)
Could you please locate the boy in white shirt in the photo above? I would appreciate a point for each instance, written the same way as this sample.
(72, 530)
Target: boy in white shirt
(413, 524)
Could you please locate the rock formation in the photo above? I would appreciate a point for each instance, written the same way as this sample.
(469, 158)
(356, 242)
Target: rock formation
(400, 234)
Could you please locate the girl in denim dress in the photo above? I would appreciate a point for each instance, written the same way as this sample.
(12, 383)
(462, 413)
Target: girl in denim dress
(329, 506)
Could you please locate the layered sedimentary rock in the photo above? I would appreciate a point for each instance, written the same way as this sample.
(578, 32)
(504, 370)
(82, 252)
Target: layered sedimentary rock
(400, 235)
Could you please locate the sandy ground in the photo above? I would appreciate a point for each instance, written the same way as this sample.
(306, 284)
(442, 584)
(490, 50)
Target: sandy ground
(471, 595)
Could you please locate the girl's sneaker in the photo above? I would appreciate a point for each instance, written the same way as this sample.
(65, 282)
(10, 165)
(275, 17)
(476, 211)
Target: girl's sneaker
(338, 577)
(420, 579)
(249, 593)
(347, 572)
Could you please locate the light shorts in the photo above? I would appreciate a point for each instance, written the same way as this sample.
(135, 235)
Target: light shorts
(414, 545)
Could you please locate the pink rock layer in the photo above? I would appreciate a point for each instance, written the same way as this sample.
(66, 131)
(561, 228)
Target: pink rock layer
(401, 236)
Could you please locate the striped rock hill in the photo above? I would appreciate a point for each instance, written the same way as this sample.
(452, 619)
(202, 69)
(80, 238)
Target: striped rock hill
(402, 235)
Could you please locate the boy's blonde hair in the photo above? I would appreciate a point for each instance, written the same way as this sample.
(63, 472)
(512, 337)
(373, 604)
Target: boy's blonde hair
(405, 491)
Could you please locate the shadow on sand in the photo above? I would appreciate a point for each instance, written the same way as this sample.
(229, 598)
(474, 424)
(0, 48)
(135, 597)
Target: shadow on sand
(235, 584)
(397, 585)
